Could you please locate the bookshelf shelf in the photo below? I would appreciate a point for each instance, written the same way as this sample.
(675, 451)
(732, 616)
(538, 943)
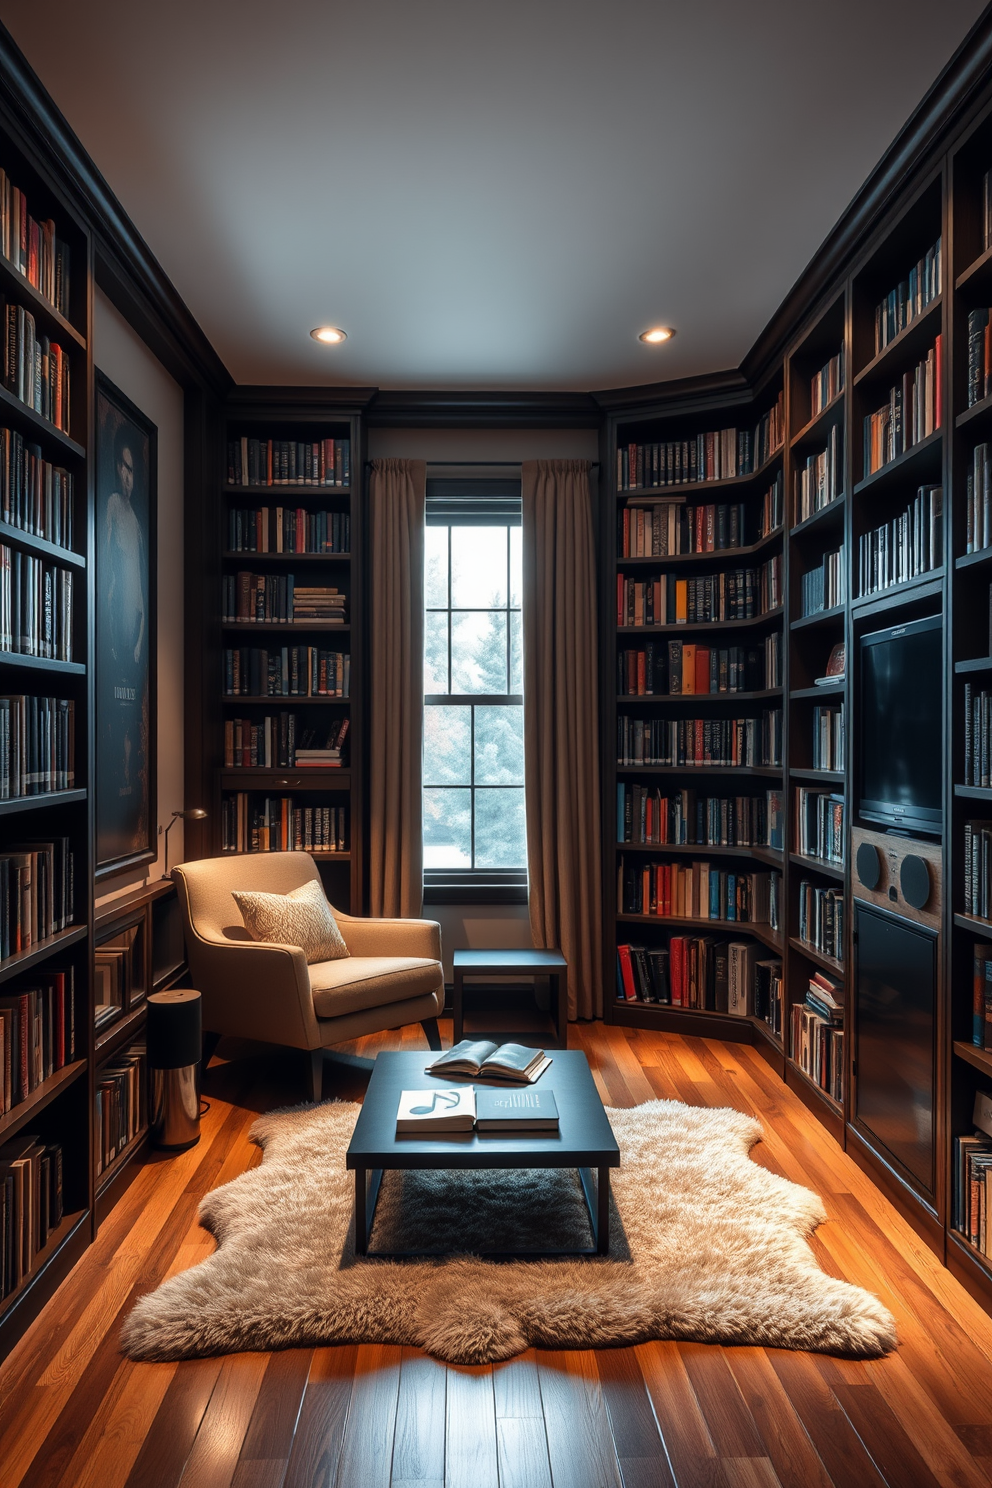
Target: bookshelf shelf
(682, 492)
(13, 408)
(811, 1087)
(18, 538)
(974, 925)
(910, 466)
(41, 951)
(284, 627)
(53, 322)
(829, 689)
(284, 699)
(976, 414)
(59, 1237)
(270, 493)
(917, 337)
(973, 793)
(766, 772)
(761, 932)
(828, 963)
(831, 515)
(911, 589)
(681, 698)
(42, 664)
(828, 777)
(969, 560)
(239, 555)
(980, 1058)
(298, 777)
(121, 1031)
(817, 865)
(702, 850)
(121, 1161)
(813, 432)
(14, 805)
(711, 556)
(973, 664)
(24, 1111)
(822, 617)
(978, 274)
(690, 628)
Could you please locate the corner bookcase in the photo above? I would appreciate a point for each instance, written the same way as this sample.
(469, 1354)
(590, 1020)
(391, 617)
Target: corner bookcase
(290, 636)
(47, 1177)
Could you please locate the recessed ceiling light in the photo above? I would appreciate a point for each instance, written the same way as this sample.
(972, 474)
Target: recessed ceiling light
(656, 335)
(330, 335)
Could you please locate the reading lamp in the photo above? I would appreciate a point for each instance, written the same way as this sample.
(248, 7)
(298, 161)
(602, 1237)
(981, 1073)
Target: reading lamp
(195, 813)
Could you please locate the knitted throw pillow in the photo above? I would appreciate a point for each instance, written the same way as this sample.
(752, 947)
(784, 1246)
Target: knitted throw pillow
(302, 918)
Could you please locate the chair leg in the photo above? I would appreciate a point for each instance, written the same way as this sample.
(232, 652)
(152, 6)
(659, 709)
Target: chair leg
(429, 1025)
(316, 1074)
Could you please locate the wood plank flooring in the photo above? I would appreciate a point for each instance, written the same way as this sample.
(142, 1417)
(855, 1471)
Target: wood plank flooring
(73, 1412)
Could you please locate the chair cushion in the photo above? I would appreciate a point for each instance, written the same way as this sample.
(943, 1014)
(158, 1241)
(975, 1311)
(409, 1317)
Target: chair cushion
(301, 918)
(370, 981)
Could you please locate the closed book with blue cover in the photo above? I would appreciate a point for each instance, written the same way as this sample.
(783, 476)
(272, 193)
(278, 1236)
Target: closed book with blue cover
(515, 1110)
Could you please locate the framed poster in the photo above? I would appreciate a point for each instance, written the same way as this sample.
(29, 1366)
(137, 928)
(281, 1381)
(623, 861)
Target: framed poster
(124, 566)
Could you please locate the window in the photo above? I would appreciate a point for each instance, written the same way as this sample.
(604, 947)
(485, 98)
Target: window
(474, 826)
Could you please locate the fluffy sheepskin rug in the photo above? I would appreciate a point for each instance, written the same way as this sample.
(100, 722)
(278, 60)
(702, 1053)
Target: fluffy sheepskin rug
(705, 1245)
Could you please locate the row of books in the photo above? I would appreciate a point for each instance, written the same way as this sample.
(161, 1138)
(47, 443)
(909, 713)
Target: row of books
(817, 1035)
(31, 1204)
(286, 671)
(690, 742)
(824, 587)
(646, 815)
(37, 1034)
(35, 495)
(970, 1213)
(978, 504)
(978, 869)
(118, 975)
(905, 547)
(277, 598)
(912, 411)
(33, 246)
(687, 669)
(666, 529)
(121, 1104)
(36, 893)
(35, 368)
(283, 529)
(705, 972)
(288, 462)
(909, 298)
(733, 594)
(37, 745)
(819, 824)
(977, 737)
(827, 384)
(277, 824)
(979, 355)
(821, 480)
(718, 454)
(699, 891)
(821, 919)
(828, 738)
(281, 741)
(981, 994)
(35, 606)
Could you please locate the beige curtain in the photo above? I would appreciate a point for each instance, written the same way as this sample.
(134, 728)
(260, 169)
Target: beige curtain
(397, 503)
(561, 723)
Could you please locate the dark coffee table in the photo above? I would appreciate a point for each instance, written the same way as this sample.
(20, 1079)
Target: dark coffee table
(584, 1141)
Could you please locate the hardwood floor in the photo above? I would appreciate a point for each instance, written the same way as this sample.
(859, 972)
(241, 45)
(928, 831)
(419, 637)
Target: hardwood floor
(73, 1412)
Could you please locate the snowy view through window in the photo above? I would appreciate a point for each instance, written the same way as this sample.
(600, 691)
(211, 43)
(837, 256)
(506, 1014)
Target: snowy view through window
(473, 695)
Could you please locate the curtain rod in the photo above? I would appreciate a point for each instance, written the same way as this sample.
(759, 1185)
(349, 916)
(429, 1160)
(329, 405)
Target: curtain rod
(490, 464)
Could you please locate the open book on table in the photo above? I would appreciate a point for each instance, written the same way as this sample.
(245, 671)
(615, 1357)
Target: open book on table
(486, 1061)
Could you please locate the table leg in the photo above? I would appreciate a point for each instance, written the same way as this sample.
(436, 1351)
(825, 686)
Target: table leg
(366, 1198)
(457, 1014)
(603, 1214)
(559, 981)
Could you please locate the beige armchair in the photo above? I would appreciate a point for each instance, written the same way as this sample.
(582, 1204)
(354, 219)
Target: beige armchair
(260, 990)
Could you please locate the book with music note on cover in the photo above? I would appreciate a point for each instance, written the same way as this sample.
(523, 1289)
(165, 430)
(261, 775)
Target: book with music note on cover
(433, 1112)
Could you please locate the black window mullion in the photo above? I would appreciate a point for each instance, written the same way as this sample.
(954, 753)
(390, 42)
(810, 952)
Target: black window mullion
(472, 780)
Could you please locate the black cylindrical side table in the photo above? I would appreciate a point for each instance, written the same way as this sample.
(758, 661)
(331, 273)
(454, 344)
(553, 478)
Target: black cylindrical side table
(175, 1040)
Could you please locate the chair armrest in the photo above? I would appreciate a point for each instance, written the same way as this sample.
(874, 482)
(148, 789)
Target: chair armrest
(255, 989)
(392, 937)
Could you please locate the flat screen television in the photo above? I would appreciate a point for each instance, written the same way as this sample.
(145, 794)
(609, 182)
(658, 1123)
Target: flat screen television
(902, 725)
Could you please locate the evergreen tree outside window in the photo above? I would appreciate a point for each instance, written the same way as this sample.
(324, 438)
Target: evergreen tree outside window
(474, 823)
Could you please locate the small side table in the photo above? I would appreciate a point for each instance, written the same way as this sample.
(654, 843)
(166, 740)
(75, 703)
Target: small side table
(514, 963)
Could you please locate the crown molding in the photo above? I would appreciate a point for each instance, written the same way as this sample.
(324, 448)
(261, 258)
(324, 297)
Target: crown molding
(680, 395)
(256, 400)
(416, 409)
(126, 269)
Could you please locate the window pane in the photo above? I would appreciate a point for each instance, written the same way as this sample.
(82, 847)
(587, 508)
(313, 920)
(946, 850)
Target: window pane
(436, 567)
(447, 829)
(478, 566)
(447, 745)
(478, 651)
(500, 829)
(516, 651)
(436, 652)
(516, 566)
(499, 746)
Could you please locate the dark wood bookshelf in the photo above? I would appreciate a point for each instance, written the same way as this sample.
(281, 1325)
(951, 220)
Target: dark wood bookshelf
(26, 1110)
(813, 432)
(969, 560)
(14, 805)
(920, 587)
(977, 413)
(754, 928)
(690, 627)
(916, 337)
(821, 617)
(17, 286)
(828, 963)
(650, 494)
(971, 1054)
(663, 560)
(41, 951)
(46, 664)
(12, 407)
(285, 627)
(832, 514)
(682, 698)
(905, 468)
(766, 772)
(323, 699)
(31, 543)
(828, 777)
(817, 865)
(770, 856)
(829, 689)
(287, 490)
(239, 555)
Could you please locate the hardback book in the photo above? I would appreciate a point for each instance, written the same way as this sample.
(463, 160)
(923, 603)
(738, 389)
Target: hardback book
(430, 1112)
(836, 666)
(515, 1110)
(478, 1057)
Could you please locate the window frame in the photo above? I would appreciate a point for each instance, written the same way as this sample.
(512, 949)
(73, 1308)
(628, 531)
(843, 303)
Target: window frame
(474, 503)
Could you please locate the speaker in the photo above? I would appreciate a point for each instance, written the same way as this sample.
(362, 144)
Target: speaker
(868, 865)
(175, 1044)
(914, 880)
(898, 874)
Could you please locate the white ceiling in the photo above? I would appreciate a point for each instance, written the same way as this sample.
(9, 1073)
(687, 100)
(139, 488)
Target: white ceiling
(485, 195)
